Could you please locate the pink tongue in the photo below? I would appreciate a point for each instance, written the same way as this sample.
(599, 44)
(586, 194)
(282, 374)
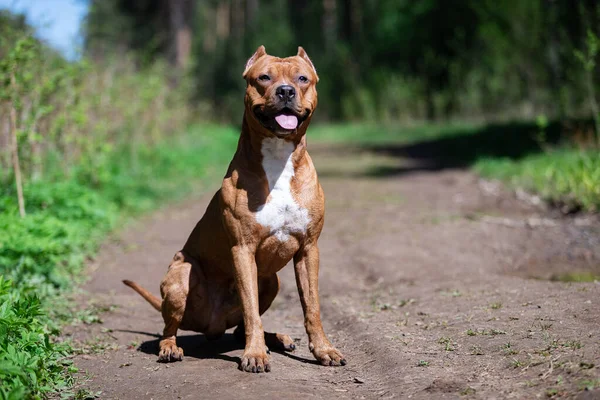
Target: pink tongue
(287, 121)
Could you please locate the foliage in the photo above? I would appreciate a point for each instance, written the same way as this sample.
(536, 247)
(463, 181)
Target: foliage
(31, 364)
(386, 60)
(97, 143)
(65, 222)
(71, 117)
(589, 60)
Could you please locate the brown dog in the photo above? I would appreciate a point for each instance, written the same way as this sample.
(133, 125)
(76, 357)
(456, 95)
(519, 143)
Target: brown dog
(269, 209)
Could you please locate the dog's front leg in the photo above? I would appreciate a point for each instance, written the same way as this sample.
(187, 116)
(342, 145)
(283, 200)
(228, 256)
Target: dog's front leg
(306, 266)
(255, 357)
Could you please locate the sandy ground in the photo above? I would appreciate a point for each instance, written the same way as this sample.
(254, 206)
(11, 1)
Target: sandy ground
(433, 284)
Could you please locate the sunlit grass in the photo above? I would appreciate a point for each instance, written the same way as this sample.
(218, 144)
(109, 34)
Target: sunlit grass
(563, 176)
(365, 133)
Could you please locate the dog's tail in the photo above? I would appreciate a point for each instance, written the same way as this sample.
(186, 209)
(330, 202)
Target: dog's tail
(150, 298)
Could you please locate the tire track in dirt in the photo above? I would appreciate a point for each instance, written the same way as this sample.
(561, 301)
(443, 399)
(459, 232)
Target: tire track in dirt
(419, 290)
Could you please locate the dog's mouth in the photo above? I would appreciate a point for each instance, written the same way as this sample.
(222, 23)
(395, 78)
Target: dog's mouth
(284, 120)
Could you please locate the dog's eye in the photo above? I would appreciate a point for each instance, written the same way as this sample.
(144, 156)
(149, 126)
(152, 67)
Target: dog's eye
(264, 78)
(303, 79)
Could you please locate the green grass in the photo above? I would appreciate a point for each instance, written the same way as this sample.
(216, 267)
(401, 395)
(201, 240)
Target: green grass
(43, 254)
(576, 277)
(361, 133)
(562, 176)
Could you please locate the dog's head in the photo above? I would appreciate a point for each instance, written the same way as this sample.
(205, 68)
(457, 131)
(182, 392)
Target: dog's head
(281, 93)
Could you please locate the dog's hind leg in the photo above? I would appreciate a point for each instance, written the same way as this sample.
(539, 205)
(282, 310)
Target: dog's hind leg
(268, 289)
(174, 289)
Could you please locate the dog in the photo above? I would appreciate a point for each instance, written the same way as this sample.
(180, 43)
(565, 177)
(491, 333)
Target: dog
(269, 210)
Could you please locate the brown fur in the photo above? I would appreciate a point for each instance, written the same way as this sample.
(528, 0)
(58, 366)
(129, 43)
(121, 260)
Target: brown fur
(226, 273)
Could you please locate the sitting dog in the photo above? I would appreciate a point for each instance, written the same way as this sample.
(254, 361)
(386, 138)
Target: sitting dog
(269, 210)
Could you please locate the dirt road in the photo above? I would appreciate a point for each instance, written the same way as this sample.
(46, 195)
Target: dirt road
(425, 285)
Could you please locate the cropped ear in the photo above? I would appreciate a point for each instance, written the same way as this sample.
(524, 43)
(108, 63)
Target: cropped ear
(304, 56)
(257, 54)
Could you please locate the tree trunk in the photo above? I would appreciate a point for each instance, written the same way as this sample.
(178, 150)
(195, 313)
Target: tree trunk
(180, 12)
(329, 24)
(15, 153)
(223, 19)
(251, 13)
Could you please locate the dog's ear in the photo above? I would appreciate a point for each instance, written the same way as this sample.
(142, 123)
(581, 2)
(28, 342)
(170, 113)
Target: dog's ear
(302, 54)
(257, 54)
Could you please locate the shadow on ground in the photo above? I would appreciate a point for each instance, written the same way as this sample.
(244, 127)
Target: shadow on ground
(457, 149)
(197, 346)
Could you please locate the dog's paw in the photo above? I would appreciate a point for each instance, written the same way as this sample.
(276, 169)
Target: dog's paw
(328, 355)
(286, 342)
(169, 352)
(255, 362)
(279, 342)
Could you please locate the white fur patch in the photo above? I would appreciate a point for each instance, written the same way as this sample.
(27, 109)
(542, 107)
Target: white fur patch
(281, 214)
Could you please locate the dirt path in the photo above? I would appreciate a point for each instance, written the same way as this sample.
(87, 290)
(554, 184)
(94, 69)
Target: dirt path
(424, 288)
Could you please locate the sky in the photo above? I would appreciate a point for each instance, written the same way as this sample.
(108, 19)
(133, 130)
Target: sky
(57, 22)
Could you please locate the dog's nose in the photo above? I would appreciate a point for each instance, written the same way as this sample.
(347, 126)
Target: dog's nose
(285, 92)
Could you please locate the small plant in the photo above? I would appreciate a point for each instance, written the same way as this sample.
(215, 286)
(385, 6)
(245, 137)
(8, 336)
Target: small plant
(471, 332)
(405, 302)
(447, 342)
(589, 385)
(423, 363)
(509, 349)
(496, 306)
(477, 351)
(573, 344)
(84, 394)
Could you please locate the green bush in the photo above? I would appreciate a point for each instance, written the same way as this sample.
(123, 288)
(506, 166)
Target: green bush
(31, 363)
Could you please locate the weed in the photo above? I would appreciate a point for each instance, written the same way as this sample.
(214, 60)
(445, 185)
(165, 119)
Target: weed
(84, 394)
(447, 342)
(423, 363)
(468, 391)
(31, 363)
(589, 385)
(496, 306)
(516, 363)
(573, 344)
(471, 332)
(509, 349)
(405, 302)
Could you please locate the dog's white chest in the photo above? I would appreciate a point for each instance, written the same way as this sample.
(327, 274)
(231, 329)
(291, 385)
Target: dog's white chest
(281, 213)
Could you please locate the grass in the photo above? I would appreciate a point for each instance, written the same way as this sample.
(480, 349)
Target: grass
(566, 176)
(361, 133)
(43, 254)
(576, 277)
(519, 154)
